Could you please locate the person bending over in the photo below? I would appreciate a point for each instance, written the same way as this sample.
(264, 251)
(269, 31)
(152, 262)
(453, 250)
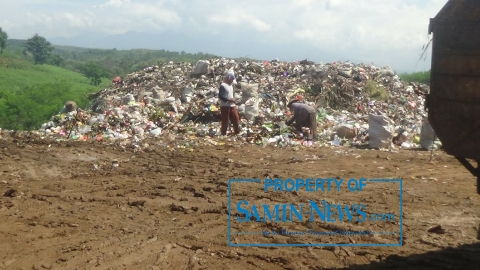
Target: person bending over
(303, 116)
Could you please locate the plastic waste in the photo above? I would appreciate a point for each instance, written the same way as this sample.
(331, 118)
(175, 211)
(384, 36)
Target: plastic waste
(251, 109)
(187, 94)
(405, 145)
(156, 132)
(201, 68)
(336, 140)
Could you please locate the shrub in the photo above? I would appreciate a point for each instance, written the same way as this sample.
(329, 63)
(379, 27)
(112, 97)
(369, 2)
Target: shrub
(418, 77)
(375, 91)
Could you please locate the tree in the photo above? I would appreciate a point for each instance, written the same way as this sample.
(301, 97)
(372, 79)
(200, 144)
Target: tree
(3, 40)
(40, 48)
(56, 60)
(94, 72)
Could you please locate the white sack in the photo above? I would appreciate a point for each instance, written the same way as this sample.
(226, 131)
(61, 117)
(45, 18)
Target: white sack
(249, 91)
(427, 135)
(251, 109)
(201, 68)
(380, 131)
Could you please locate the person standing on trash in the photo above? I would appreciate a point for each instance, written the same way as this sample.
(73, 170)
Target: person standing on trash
(303, 116)
(228, 108)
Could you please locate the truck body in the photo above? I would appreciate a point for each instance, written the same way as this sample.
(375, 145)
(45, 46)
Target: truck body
(453, 103)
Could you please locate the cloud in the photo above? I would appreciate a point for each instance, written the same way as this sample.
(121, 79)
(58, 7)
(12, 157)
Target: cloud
(124, 15)
(392, 31)
(114, 3)
(305, 34)
(65, 19)
(260, 25)
(240, 19)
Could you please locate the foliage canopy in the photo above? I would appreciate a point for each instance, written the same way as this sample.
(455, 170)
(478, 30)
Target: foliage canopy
(3, 40)
(40, 48)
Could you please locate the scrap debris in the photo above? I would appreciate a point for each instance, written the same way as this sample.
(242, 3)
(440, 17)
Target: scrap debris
(177, 103)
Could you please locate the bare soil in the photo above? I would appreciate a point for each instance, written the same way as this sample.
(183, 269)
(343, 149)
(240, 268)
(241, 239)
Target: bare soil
(98, 206)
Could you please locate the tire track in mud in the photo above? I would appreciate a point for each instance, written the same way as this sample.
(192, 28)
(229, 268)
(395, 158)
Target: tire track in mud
(36, 208)
(80, 197)
(81, 254)
(133, 254)
(46, 208)
(115, 235)
(154, 260)
(119, 251)
(111, 250)
(72, 188)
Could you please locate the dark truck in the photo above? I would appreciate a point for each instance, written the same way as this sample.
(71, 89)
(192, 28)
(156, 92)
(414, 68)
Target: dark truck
(453, 103)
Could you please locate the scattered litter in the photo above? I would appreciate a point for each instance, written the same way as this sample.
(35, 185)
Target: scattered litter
(178, 105)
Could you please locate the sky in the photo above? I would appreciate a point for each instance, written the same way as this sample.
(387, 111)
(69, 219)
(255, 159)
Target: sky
(383, 32)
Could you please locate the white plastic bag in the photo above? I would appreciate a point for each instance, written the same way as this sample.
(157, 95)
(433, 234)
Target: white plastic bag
(387, 71)
(241, 109)
(156, 132)
(92, 121)
(380, 131)
(187, 94)
(249, 91)
(251, 109)
(347, 73)
(201, 68)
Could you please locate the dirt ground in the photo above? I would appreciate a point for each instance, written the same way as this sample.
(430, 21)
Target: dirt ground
(98, 206)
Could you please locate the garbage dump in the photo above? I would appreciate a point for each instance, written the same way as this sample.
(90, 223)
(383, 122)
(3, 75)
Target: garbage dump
(178, 104)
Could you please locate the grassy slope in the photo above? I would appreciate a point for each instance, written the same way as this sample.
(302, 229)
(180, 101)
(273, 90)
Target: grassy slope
(31, 94)
(21, 73)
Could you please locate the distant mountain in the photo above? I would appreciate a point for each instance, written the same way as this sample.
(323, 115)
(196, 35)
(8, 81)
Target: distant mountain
(226, 44)
(232, 46)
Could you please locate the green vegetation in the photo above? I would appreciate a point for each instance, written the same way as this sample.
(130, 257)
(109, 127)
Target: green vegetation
(3, 40)
(37, 78)
(112, 61)
(375, 91)
(417, 77)
(40, 49)
(30, 94)
(94, 72)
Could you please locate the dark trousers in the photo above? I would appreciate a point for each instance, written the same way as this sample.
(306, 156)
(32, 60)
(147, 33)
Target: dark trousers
(229, 114)
(311, 122)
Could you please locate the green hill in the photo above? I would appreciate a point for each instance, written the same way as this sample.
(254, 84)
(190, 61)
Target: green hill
(114, 62)
(30, 94)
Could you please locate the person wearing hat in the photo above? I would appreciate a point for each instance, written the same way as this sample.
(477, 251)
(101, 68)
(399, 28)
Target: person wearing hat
(303, 116)
(69, 106)
(228, 108)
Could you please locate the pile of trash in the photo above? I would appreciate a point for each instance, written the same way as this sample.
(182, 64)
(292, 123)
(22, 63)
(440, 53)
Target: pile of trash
(178, 104)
